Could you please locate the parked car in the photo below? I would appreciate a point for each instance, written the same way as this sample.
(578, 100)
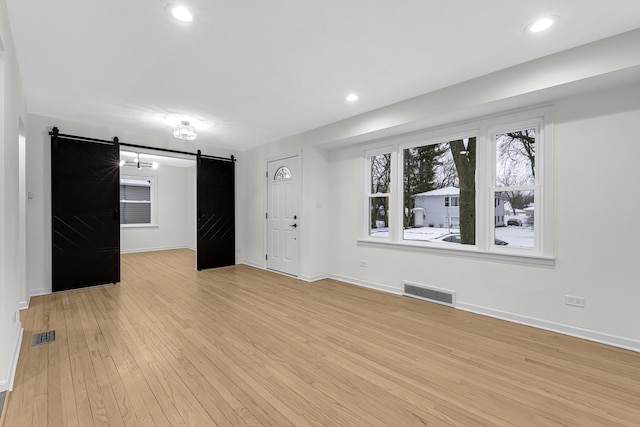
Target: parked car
(455, 238)
(514, 221)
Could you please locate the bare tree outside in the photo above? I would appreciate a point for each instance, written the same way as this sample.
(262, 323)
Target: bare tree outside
(380, 184)
(446, 171)
(515, 166)
(380, 173)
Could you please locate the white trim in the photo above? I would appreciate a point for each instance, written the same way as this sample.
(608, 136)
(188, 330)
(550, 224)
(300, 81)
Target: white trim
(599, 337)
(587, 334)
(162, 248)
(153, 183)
(265, 200)
(300, 208)
(7, 385)
(250, 264)
(14, 360)
(139, 225)
(484, 130)
(312, 279)
(560, 328)
(365, 284)
(37, 293)
(366, 212)
(23, 305)
(523, 257)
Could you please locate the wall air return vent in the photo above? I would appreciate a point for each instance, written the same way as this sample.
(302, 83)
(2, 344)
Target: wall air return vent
(440, 296)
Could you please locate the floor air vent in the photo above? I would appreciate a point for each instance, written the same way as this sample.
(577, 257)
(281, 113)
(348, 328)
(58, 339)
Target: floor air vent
(440, 296)
(43, 338)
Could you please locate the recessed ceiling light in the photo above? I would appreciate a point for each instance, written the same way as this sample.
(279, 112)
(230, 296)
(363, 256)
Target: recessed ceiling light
(541, 24)
(352, 97)
(181, 13)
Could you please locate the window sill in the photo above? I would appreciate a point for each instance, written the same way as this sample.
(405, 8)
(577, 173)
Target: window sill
(472, 253)
(138, 225)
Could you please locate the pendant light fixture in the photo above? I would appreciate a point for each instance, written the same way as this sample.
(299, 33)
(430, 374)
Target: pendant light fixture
(138, 164)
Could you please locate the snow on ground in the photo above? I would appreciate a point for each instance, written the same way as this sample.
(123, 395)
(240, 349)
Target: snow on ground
(515, 236)
(518, 237)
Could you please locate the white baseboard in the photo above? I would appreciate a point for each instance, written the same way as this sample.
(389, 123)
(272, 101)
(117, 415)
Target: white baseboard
(36, 293)
(365, 284)
(7, 385)
(599, 337)
(162, 248)
(560, 328)
(23, 305)
(302, 277)
(250, 264)
(312, 279)
(14, 360)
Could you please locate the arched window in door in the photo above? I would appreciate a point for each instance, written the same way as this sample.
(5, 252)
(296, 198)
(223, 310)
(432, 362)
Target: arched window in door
(282, 173)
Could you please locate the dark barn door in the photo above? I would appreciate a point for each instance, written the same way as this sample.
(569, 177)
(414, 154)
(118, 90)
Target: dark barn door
(85, 215)
(216, 213)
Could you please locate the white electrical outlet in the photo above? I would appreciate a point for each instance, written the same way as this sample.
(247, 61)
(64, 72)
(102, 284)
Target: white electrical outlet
(364, 263)
(574, 301)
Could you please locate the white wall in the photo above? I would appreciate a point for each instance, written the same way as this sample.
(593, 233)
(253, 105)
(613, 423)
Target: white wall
(175, 211)
(594, 135)
(39, 184)
(597, 104)
(12, 286)
(312, 221)
(191, 193)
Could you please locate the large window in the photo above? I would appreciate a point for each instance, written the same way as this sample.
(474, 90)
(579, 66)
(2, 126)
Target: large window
(137, 201)
(484, 186)
(440, 191)
(514, 191)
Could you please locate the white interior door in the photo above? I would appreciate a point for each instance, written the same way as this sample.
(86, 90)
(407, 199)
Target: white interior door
(283, 215)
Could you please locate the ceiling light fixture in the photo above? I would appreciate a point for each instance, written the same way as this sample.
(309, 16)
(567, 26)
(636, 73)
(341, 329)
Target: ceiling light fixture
(181, 13)
(541, 24)
(352, 97)
(185, 131)
(138, 164)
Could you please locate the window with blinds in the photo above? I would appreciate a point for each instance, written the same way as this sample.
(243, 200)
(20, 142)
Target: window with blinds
(136, 201)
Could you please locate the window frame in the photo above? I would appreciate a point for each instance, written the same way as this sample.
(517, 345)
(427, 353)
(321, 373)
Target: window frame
(485, 130)
(370, 195)
(153, 202)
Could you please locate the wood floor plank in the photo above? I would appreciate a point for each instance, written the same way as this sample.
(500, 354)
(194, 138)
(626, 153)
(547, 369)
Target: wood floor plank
(239, 346)
(56, 369)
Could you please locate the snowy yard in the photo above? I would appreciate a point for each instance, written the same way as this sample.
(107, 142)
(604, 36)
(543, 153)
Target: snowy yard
(515, 236)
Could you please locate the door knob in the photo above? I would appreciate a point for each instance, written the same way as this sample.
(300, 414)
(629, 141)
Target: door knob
(293, 225)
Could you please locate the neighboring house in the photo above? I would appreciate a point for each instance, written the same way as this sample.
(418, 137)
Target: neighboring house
(508, 210)
(529, 210)
(441, 208)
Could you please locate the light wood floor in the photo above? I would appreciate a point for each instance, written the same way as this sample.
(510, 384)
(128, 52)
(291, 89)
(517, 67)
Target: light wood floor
(239, 346)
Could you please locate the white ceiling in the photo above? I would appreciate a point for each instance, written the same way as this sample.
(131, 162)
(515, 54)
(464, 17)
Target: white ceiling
(250, 72)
